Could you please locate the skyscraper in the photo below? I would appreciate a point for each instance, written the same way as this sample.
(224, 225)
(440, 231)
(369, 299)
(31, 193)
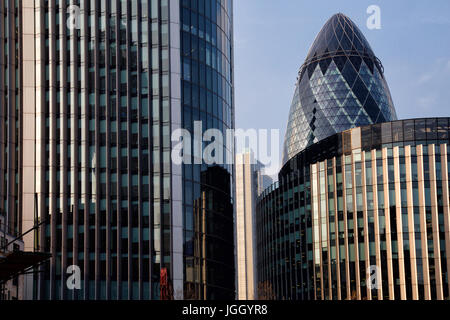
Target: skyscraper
(361, 215)
(341, 85)
(250, 182)
(11, 128)
(10, 117)
(103, 85)
(364, 213)
(208, 96)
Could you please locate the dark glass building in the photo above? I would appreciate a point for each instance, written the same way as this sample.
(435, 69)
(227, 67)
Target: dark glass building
(104, 84)
(207, 96)
(340, 86)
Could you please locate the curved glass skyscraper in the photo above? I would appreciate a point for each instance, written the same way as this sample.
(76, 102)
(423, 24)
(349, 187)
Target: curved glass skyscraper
(107, 82)
(340, 86)
(207, 96)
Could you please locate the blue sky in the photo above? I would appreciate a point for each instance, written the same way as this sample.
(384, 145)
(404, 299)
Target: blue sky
(272, 39)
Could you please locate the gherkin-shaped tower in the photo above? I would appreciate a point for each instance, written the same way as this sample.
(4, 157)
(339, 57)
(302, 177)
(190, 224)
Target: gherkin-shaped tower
(340, 86)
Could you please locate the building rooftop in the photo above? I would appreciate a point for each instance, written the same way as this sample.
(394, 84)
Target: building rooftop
(341, 85)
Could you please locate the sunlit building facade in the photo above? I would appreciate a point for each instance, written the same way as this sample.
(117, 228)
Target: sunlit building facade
(371, 196)
(10, 118)
(361, 209)
(250, 182)
(17, 198)
(11, 129)
(107, 84)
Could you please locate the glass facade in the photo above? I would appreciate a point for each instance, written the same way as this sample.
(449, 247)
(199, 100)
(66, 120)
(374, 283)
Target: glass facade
(376, 195)
(103, 132)
(104, 97)
(10, 120)
(340, 86)
(11, 126)
(207, 96)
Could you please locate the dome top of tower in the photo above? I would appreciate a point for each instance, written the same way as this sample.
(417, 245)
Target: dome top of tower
(339, 34)
(341, 85)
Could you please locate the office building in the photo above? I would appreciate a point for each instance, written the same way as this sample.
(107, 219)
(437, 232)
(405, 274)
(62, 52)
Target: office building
(370, 196)
(250, 182)
(362, 214)
(341, 85)
(10, 118)
(99, 88)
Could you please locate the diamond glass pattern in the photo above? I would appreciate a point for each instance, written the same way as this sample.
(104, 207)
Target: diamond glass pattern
(341, 86)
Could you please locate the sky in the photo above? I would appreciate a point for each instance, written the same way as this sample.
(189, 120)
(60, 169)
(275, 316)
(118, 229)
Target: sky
(272, 38)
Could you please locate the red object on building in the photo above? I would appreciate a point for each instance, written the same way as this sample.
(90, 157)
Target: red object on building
(164, 284)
